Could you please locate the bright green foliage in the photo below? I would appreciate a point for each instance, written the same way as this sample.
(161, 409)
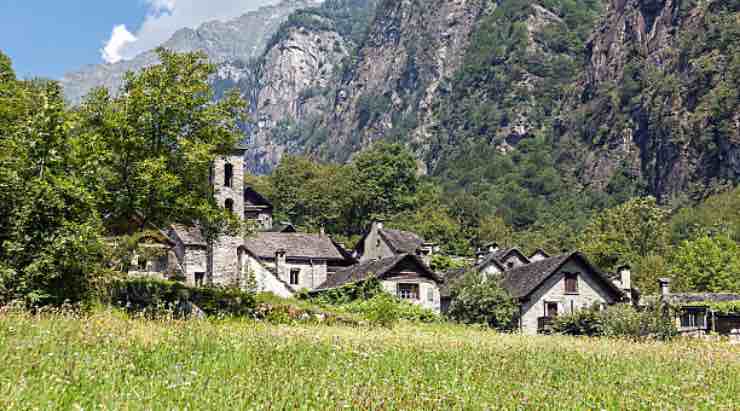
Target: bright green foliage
(724, 307)
(161, 297)
(50, 243)
(626, 235)
(620, 320)
(160, 136)
(146, 152)
(385, 180)
(717, 214)
(708, 264)
(476, 300)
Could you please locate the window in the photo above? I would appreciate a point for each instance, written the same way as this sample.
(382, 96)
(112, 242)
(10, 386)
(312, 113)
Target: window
(408, 291)
(571, 283)
(199, 278)
(295, 276)
(228, 175)
(551, 309)
(693, 319)
(430, 295)
(142, 264)
(229, 205)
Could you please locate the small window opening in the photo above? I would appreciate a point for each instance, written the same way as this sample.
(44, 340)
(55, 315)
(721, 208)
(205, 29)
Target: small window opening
(571, 283)
(199, 279)
(295, 276)
(551, 310)
(142, 264)
(228, 175)
(229, 205)
(408, 291)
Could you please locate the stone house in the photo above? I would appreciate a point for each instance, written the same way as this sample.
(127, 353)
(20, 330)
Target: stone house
(403, 275)
(380, 242)
(693, 313)
(552, 286)
(538, 255)
(499, 259)
(299, 261)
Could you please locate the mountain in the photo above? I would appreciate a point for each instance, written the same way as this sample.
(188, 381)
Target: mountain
(527, 103)
(625, 96)
(237, 41)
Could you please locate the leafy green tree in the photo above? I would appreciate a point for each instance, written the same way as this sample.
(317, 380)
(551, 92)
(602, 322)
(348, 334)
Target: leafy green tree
(384, 179)
(626, 234)
(50, 229)
(707, 264)
(159, 137)
(476, 300)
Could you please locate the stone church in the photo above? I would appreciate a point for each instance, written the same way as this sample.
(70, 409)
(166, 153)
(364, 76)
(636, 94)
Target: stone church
(274, 259)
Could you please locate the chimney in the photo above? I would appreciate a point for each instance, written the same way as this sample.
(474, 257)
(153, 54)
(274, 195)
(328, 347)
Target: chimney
(322, 231)
(281, 264)
(665, 286)
(625, 277)
(493, 247)
(377, 225)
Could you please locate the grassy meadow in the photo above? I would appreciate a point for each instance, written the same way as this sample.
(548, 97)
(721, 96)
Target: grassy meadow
(106, 360)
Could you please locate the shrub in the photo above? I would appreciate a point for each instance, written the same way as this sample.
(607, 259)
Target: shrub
(477, 300)
(154, 296)
(618, 321)
(382, 310)
(374, 309)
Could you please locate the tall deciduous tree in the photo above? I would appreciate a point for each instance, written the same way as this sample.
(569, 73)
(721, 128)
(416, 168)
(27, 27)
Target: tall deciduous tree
(50, 244)
(160, 136)
(708, 263)
(627, 234)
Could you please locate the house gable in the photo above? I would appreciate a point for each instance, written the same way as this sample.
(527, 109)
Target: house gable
(551, 296)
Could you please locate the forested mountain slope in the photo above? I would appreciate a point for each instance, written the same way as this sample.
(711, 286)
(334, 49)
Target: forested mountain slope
(521, 104)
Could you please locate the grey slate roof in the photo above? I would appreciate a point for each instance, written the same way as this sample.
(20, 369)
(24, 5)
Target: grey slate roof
(522, 281)
(189, 235)
(501, 255)
(252, 196)
(296, 245)
(374, 269)
(401, 242)
(688, 298)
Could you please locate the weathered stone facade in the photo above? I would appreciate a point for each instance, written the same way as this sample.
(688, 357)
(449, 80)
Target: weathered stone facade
(590, 292)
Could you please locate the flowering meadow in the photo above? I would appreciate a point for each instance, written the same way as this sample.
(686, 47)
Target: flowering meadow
(107, 360)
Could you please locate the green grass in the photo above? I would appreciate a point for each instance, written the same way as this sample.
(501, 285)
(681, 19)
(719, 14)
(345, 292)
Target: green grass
(106, 360)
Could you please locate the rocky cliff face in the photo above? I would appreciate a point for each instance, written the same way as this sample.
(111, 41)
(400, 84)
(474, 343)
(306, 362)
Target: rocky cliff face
(238, 40)
(646, 89)
(409, 54)
(295, 75)
(659, 96)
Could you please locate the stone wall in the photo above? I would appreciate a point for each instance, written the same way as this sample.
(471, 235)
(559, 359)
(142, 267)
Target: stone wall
(428, 290)
(264, 279)
(311, 273)
(590, 291)
(375, 247)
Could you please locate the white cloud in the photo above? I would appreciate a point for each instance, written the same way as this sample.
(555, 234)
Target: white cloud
(118, 41)
(165, 17)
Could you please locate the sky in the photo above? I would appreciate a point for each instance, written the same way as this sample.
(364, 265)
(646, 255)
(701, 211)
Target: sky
(47, 38)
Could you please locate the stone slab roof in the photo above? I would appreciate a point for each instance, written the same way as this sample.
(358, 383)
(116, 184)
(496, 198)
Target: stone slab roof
(401, 242)
(375, 269)
(189, 235)
(522, 281)
(689, 298)
(296, 245)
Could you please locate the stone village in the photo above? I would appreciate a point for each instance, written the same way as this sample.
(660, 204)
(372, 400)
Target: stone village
(280, 260)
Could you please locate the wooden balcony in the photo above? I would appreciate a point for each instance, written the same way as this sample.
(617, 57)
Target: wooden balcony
(544, 325)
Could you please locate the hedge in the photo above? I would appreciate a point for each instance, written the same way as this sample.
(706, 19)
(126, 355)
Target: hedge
(143, 294)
